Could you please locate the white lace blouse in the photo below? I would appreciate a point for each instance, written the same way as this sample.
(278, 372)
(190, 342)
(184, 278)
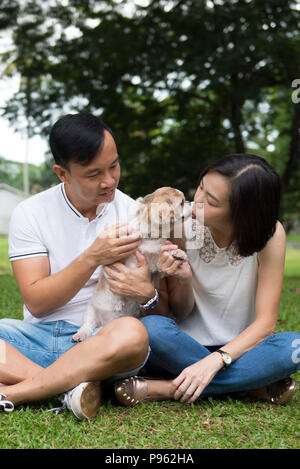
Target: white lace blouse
(224, 286)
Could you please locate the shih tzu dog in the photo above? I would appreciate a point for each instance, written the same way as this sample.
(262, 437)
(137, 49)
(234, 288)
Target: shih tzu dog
(158, 216)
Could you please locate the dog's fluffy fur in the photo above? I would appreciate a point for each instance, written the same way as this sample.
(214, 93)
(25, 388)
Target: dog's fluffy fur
(154, 215)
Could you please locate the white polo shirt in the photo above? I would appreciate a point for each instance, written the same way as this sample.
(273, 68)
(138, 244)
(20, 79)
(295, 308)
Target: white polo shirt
(47, 224)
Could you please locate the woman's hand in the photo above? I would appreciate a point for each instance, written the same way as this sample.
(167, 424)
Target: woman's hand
(191, 382)
(171, 266)
(131, 282)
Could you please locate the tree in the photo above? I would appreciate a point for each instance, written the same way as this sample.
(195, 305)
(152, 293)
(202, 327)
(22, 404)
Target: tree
(179, 82)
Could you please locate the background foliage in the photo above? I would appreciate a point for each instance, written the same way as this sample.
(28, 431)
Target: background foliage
(179, 82)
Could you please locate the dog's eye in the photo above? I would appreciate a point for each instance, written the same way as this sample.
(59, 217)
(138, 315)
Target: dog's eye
(182, 203)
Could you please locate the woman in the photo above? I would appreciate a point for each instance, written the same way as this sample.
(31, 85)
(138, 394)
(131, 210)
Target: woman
(226, 302)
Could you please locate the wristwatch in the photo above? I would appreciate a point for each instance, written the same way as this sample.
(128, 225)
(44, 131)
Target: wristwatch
(225, 357)
(151, 303)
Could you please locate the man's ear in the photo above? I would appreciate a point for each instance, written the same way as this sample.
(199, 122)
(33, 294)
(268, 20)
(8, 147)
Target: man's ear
(61, 172)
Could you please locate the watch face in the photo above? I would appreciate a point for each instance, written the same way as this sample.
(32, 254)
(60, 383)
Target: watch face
(227, 358)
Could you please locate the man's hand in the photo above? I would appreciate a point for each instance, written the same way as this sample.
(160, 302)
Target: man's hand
(131, 282)
(113, 244)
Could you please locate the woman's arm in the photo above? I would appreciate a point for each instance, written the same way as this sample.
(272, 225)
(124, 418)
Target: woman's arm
(270, 277)
(271, 259)
(178, 282)
(181, 297)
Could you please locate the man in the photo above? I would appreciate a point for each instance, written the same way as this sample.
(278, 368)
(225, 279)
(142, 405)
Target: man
(56, 256)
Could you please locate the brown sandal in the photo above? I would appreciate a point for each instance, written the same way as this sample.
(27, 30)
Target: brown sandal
(278, 393)
(131, 391)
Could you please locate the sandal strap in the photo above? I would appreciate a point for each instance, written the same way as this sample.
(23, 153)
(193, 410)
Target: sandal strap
(8, 406)
(131, 391)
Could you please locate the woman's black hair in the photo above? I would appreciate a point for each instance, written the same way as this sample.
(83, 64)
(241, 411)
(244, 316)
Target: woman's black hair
(77, 138)
(255, 194)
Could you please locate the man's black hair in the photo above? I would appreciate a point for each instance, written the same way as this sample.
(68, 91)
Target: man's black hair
(77, 138)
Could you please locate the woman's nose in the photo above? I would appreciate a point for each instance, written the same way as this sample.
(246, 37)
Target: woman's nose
(199, 197)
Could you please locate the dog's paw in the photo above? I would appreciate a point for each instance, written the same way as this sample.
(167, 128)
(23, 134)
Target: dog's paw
(179, 255)
(80, 336)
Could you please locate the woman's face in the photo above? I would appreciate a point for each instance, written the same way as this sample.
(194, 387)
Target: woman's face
(213, 192)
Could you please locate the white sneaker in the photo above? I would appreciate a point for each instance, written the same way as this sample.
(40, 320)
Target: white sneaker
(7, 406)
(84, 400)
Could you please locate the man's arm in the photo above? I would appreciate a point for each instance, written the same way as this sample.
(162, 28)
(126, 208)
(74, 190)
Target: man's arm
(136, 283)
(43, 292)
(162, 308)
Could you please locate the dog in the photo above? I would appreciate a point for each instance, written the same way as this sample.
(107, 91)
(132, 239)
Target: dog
(158, 216)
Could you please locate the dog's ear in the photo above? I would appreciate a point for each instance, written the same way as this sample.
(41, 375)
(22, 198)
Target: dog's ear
(140, 208)
(147, 199)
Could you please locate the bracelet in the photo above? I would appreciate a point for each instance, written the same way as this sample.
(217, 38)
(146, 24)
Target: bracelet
(152, 302)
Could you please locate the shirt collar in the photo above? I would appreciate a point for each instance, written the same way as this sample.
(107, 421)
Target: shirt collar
(74, 209)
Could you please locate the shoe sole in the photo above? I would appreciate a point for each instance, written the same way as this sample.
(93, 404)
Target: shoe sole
(90, 400)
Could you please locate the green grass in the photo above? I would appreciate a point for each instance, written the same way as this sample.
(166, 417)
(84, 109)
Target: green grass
(213, 423)
(5, 266)
(293, 238)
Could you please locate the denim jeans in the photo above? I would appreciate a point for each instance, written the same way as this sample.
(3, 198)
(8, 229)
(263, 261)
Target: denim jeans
(172, 350)
(44, 343)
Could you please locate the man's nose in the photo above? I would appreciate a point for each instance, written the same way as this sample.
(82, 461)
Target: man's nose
(107, 181)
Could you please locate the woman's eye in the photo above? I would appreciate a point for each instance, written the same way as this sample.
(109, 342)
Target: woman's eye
(212, 205)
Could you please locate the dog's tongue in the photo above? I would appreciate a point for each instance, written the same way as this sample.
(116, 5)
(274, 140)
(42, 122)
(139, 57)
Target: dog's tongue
(193, 216)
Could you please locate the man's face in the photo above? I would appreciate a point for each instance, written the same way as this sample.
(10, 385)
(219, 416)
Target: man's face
(89, 186)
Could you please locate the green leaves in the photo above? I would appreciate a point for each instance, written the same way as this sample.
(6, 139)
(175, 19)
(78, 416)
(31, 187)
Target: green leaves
(165, 77)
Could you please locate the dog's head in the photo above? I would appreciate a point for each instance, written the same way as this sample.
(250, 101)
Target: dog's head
(159, 213)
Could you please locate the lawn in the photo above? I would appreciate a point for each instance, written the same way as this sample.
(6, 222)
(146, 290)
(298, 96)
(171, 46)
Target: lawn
(213, 423)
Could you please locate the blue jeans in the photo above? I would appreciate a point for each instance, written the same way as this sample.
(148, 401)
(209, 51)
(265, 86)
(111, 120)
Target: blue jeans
(172, 350)
(44, 343)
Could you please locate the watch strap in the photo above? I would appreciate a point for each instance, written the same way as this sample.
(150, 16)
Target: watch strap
(222, 352)
(152, 302)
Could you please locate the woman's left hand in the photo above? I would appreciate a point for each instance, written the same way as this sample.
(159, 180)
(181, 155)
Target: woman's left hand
(191, 382)
(172, 267)
(131, 282)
